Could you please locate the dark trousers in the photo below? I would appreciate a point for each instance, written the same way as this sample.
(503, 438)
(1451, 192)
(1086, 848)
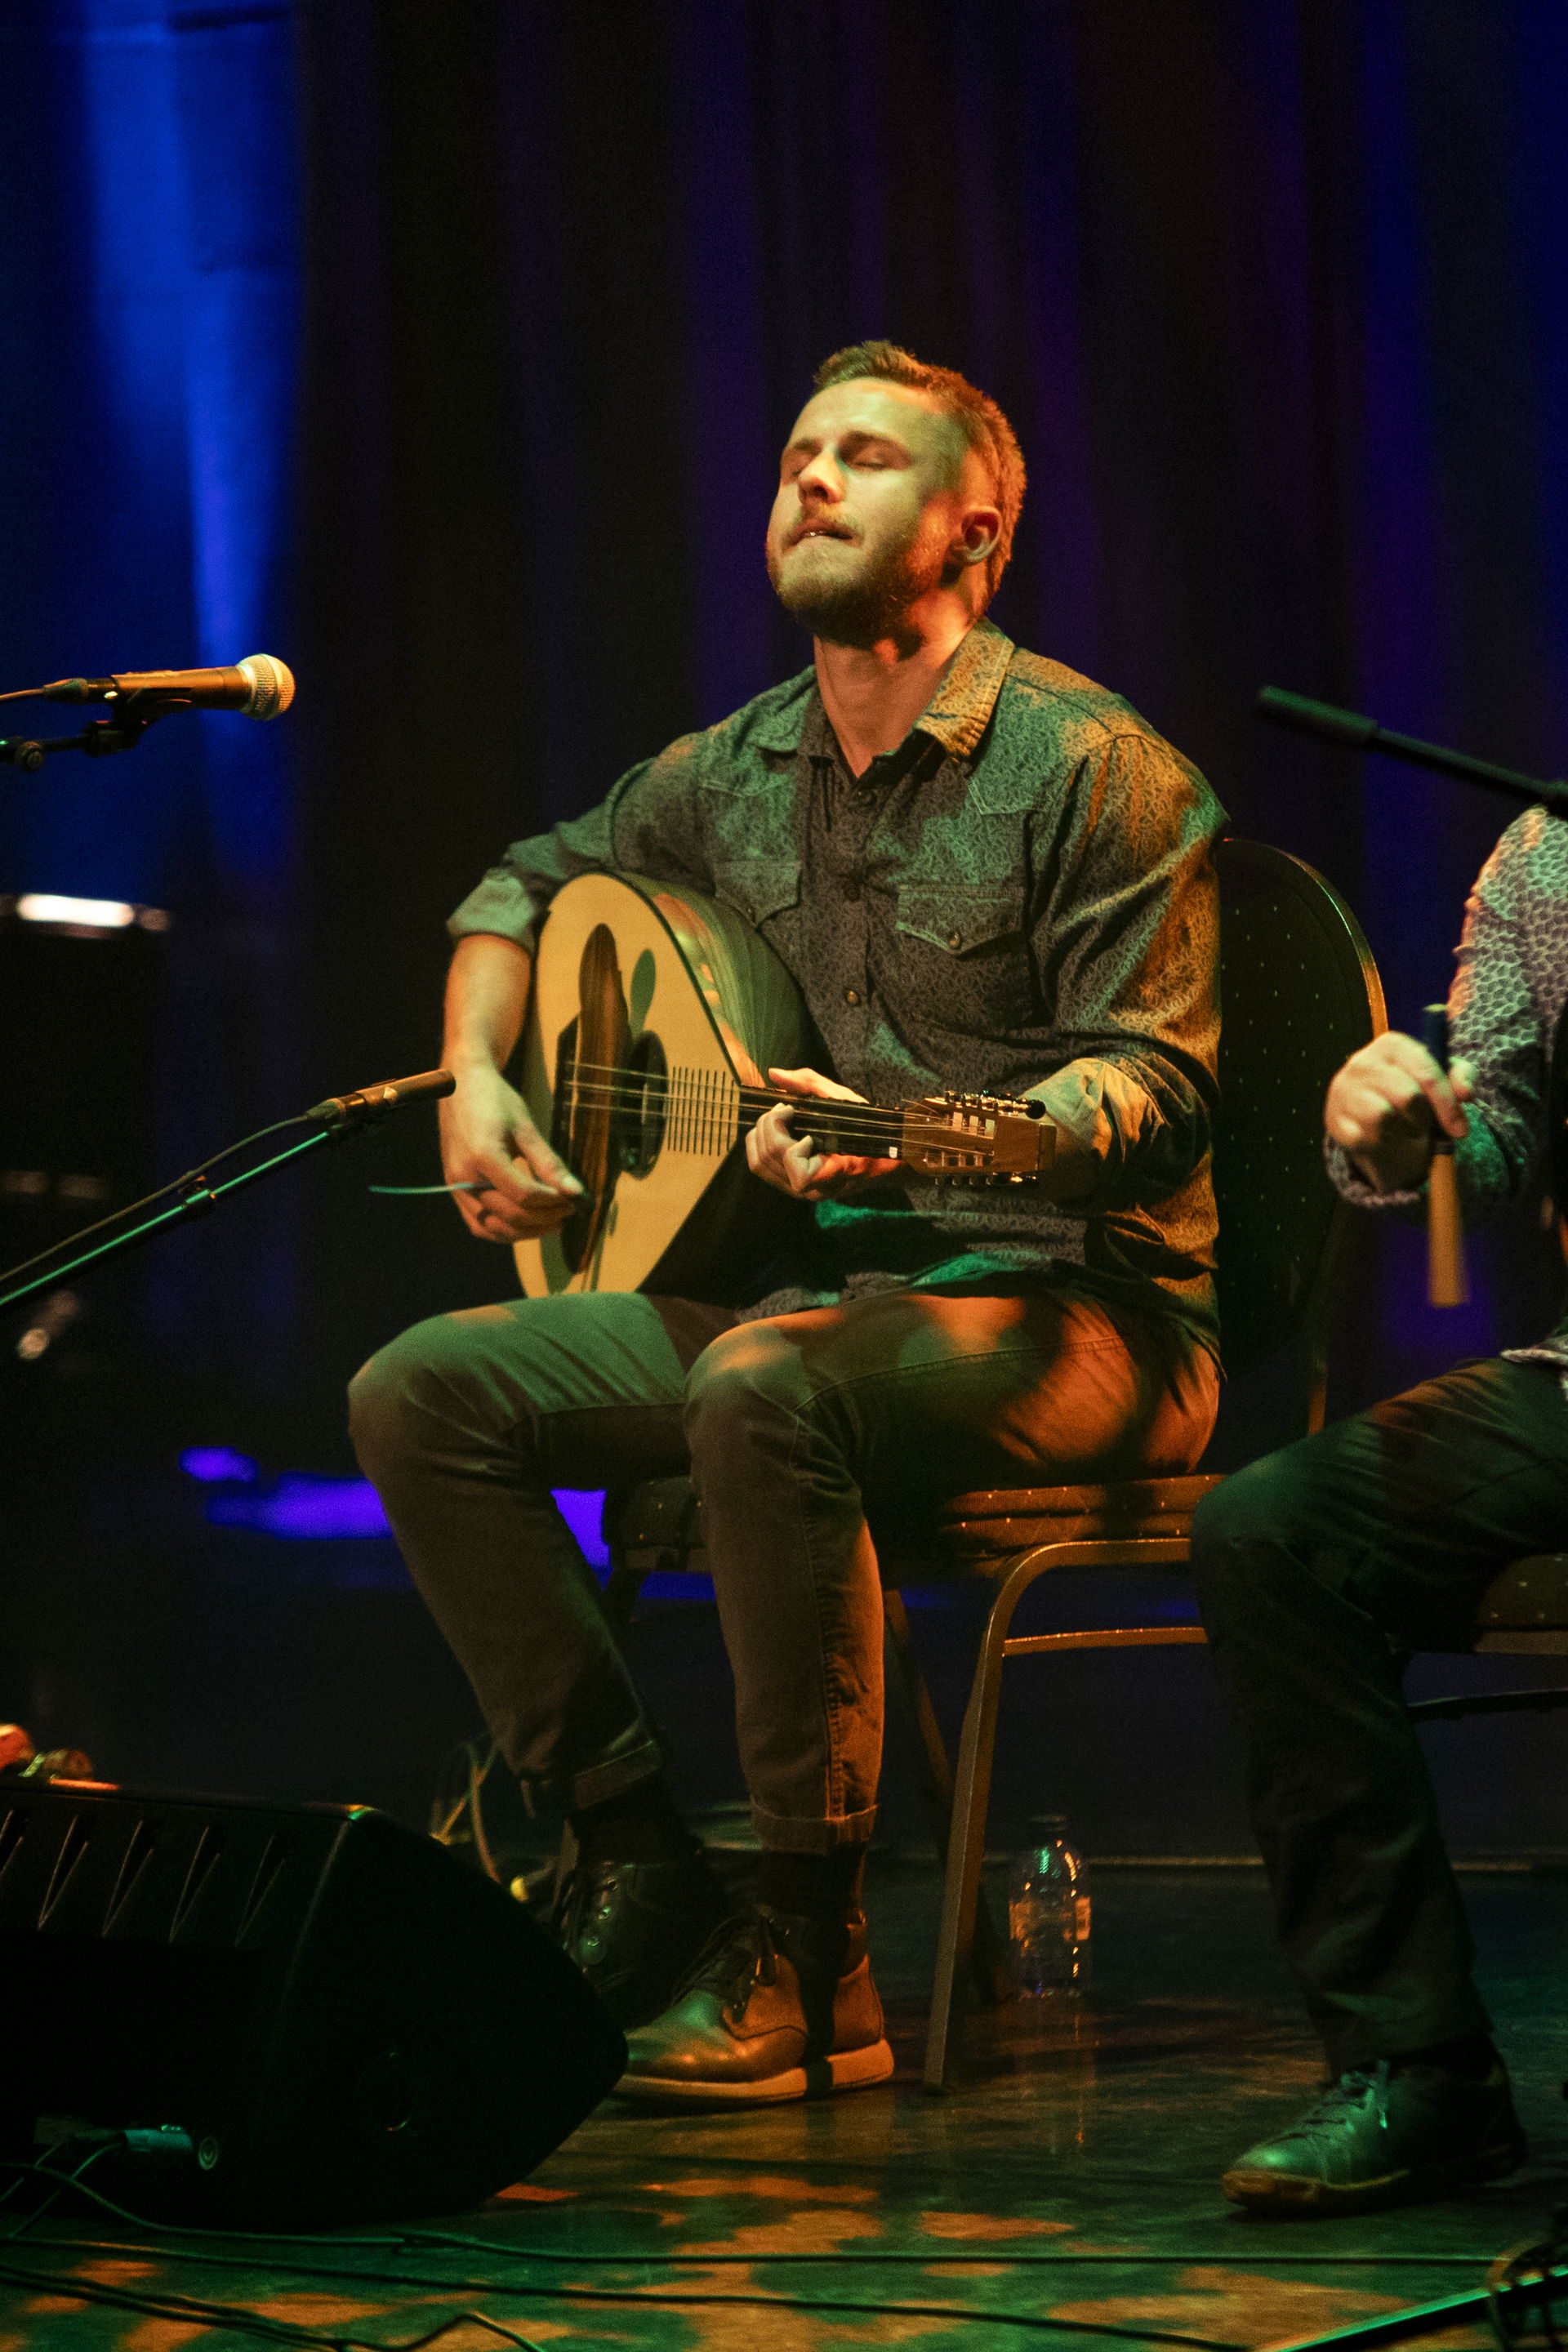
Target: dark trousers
(791, 1427)
(1318, 1569)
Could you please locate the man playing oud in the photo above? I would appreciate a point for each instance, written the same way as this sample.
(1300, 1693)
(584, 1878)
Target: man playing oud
(983, 872)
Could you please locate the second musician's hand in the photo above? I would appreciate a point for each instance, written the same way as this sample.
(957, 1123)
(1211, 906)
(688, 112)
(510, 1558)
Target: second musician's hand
(1388, 1105)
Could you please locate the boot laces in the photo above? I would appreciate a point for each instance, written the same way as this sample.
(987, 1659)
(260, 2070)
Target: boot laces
(1357, 2088)
(587, 1889)
(742, 1951)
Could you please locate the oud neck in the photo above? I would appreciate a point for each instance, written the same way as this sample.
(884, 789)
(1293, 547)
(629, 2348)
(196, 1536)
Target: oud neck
(859, 1124)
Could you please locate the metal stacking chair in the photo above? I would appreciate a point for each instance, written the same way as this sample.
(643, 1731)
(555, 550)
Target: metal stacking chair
(1524, 1615)
(1301, 993)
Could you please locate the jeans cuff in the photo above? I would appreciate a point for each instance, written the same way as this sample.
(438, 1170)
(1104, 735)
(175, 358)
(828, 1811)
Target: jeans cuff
(781, 1835)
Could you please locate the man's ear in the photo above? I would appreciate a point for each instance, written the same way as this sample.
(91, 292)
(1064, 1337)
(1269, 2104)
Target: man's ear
(978, 534)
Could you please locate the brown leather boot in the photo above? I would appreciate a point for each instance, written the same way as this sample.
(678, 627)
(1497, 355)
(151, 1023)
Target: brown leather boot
(777, 2007)
(635, 1930)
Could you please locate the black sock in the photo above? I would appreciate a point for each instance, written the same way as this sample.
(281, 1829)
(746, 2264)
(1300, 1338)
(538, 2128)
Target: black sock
(1473, 2057)
(813, 1886)
(638, 1824)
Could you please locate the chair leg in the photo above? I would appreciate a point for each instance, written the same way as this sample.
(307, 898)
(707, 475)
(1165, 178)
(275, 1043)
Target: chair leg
(619, 1597)
(991, 1977)
(966, 1857)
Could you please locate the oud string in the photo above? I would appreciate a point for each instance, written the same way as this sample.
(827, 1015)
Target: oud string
(714, 1097)
(728, 1116)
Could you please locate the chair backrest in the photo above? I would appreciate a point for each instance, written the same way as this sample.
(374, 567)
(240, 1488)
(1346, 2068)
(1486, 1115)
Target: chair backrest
(1299, 992)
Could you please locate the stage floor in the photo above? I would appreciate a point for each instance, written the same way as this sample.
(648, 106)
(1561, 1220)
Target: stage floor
(1076, 2133)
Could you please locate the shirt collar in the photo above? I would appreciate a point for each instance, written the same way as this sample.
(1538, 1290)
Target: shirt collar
(956, 716)
(960, 710)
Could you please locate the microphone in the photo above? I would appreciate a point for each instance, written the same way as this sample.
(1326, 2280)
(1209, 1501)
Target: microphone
(375, 1102)
(260, 686)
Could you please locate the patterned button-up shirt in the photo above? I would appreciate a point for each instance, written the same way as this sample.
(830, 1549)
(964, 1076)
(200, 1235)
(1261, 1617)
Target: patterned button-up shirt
(1019, 899)
(1503, 1009)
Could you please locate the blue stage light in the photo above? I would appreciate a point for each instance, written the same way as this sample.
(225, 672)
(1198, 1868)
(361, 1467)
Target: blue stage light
(302, 1508)
(218, 1466)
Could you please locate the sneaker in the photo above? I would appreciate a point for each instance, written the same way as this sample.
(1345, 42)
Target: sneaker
(777, 2007)
(1383, 2135)
(636, 1927)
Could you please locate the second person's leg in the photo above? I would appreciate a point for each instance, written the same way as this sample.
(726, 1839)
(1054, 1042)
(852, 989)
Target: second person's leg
(1317, 1569)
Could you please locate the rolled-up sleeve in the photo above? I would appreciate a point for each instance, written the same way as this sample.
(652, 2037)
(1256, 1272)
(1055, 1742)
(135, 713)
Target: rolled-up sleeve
(649, 823)
(1127, 945)
(511, 898)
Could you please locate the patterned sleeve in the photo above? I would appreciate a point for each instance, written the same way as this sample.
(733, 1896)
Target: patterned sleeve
(1128, 949)
(646, 825)
(1494, 1024)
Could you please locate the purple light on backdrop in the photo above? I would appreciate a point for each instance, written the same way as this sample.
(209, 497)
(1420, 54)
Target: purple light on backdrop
(301, 1508)
(218, 1466)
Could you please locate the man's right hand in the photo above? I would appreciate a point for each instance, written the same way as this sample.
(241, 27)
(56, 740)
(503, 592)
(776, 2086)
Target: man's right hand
(520, 1189)
(1388, 1105)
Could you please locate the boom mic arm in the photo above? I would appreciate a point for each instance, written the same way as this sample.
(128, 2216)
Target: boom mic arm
(1358, 734)
(199, 1190)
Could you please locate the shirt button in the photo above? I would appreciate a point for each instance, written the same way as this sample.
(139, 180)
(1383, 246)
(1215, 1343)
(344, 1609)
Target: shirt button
(851, 891)
(851, 996)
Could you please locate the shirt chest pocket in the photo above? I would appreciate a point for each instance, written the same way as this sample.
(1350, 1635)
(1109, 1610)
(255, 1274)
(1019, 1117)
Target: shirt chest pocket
(963, 950)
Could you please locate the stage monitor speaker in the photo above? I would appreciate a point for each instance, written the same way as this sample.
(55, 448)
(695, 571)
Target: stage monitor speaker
(344, 2021)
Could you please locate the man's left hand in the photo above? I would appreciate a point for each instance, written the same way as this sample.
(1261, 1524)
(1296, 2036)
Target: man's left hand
(789, 1160)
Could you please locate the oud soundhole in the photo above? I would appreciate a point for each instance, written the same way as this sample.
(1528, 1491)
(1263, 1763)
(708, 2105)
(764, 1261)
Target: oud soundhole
(644, 1101)
(609, 1106)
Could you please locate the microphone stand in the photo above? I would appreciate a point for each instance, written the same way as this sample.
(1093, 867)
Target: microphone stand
(328, 1121)
(98, 738)
(1355, 733)
(196, 1201)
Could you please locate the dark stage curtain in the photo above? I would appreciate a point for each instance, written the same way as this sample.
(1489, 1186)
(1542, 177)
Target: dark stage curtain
(490, 319)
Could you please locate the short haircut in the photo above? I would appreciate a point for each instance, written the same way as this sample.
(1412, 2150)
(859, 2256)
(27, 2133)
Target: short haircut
(978, 418)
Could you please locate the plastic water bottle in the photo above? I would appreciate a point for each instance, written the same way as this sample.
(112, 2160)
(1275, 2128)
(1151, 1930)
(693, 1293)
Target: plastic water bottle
(1048, 1914)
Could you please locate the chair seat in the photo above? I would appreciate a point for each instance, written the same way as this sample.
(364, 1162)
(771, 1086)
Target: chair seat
(657, 1527)
(978, 1530)
(1530, 1599)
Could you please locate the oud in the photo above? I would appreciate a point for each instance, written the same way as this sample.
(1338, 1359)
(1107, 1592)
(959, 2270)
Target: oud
(654, 1016)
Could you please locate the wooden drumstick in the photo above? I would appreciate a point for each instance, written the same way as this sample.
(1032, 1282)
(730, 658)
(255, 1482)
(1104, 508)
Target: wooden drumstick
(1448, 1284)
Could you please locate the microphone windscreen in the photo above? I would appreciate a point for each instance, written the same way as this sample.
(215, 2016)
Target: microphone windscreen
(272, 686)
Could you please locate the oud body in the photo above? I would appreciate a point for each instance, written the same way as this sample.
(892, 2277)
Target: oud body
(655, 1016)
(651, 1008)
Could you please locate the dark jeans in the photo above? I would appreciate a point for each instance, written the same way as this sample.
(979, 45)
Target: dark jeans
(790, 1427)
(1316, 1568)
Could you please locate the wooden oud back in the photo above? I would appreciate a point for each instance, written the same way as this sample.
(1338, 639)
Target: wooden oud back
(639, 977)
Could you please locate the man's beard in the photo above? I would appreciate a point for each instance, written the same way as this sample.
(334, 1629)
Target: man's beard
(873, 608)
